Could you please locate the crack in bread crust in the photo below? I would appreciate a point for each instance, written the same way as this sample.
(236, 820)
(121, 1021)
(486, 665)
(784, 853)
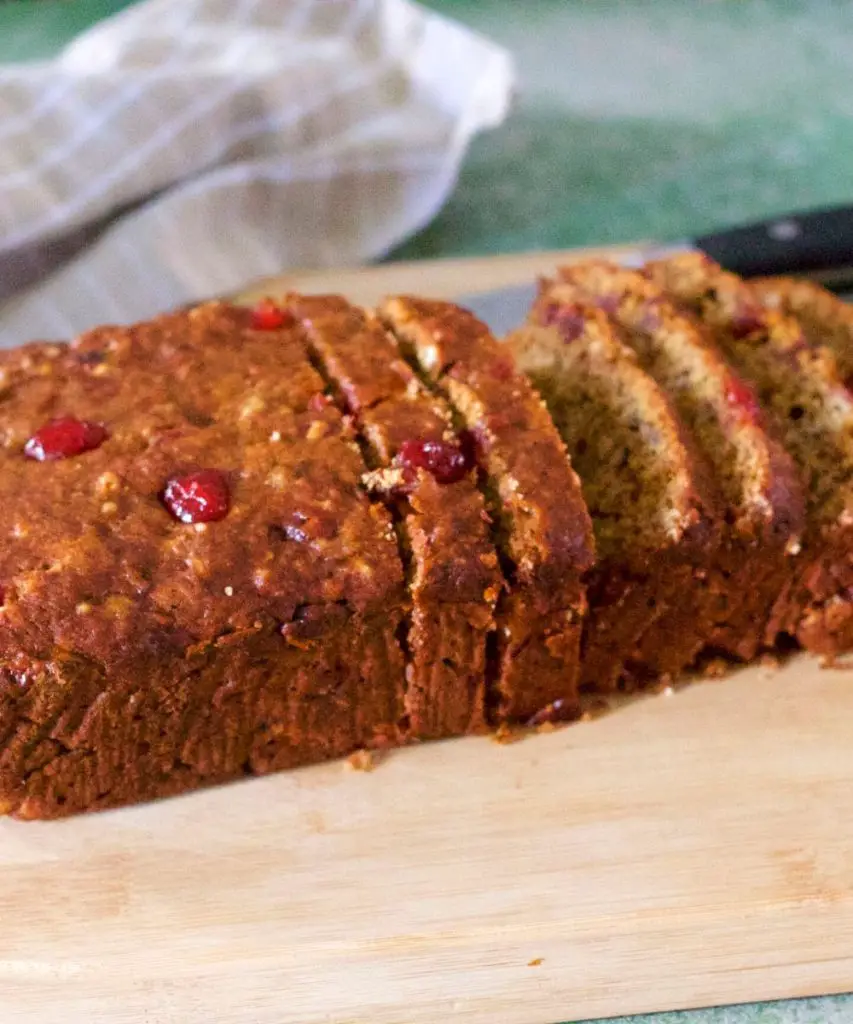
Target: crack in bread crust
(543, 529)
(453, 573)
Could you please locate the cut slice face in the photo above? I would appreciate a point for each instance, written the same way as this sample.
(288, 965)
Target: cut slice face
(425, 474)
(651, 503)
(804, 397)
(756, 479)
(542, 527)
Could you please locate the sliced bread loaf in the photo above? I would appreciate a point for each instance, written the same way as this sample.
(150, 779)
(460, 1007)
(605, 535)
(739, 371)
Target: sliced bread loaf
(756, 479)
(651, 502)
(804, 397)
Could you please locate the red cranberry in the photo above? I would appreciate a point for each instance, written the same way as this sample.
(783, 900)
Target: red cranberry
(741, 396)
(609, 303)
(570, 321)
(549, 314)
(62, 438)
(200, 497)
(267, 316)
(747, 320)
(503, 369)
(448, 462)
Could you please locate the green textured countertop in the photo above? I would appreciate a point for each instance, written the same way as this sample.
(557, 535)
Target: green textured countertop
(634, 120)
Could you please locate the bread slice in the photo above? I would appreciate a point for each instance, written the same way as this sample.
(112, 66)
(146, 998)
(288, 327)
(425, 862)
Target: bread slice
(757, 481)
(804, 397)
(453, 575)
(652, 506)
(543, 530)
(195, 585)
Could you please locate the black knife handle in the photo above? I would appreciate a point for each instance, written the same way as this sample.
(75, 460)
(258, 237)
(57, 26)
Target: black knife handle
(800, 243)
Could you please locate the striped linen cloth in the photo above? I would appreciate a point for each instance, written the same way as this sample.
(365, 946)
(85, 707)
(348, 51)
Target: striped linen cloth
(184, 147)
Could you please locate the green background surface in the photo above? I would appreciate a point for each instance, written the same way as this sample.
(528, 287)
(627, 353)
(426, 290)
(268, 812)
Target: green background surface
(634, 120)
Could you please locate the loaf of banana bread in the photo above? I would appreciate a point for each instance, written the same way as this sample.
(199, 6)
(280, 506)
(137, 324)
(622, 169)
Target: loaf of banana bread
(245, 540)
(195, 585)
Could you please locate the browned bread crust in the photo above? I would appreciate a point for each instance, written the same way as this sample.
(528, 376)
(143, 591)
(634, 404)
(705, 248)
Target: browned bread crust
(652, 504)
(543, 528)
(142, 655)
(453, 574)
(754, 477)
(808, 405)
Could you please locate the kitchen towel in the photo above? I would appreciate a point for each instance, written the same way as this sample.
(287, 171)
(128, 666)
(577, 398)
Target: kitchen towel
(184, 147)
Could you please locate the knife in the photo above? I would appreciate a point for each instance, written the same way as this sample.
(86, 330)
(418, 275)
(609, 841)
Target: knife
(816, 244)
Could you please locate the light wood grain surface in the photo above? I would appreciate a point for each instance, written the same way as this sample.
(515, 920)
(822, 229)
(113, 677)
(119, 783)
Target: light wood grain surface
(438, 279)
(685, 850)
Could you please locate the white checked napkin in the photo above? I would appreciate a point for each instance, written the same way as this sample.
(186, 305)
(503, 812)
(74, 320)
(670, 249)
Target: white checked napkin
(184, 147)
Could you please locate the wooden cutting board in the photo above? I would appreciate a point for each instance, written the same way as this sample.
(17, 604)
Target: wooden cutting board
(683, 850)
